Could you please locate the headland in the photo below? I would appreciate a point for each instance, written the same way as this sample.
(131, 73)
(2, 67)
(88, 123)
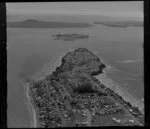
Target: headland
(72, 97)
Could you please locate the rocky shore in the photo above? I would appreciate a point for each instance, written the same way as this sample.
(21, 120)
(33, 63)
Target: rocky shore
(71, 94)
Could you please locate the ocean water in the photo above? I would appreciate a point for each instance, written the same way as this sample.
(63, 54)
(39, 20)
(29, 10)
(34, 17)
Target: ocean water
(29, 50)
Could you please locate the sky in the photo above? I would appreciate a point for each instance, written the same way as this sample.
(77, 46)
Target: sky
(120, 9)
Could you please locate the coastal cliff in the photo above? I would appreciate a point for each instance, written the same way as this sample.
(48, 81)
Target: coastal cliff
(71, 96)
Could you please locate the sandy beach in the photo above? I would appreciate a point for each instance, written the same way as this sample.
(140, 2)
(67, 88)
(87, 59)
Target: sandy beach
(29, 105)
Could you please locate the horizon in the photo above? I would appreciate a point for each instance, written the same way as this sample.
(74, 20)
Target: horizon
(132, 9)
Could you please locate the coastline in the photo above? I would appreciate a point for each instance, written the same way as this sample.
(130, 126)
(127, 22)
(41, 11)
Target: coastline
(109, 83)
(49, 67)
(102, 77)
(29, 104)
(46, 70)
(120, 24)
(116, 87)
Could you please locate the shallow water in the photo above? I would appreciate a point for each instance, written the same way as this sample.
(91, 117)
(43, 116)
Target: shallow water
(30, 49)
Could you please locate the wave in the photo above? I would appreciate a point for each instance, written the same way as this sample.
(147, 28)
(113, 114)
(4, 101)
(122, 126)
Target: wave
(129, 61)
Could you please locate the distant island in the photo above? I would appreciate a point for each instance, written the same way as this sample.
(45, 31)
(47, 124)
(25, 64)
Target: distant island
(72, 97)
(70, 37)
(31, 23)
(123, 24)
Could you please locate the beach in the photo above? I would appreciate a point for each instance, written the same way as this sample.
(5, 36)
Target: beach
(29, 105)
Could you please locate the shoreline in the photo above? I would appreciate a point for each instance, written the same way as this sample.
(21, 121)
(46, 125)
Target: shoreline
(102, 77)
(46, 70)
(114, 86)
(49, 68)
(30, 107)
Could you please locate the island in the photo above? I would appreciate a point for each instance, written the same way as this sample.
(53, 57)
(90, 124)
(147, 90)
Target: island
(72, 97)
(70, 37)
(32, 23)
(122, 24)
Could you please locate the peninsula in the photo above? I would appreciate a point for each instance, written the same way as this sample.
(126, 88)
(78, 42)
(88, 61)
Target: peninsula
(72, 97)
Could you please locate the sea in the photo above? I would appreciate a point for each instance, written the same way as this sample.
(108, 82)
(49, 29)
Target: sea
(29, 50)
